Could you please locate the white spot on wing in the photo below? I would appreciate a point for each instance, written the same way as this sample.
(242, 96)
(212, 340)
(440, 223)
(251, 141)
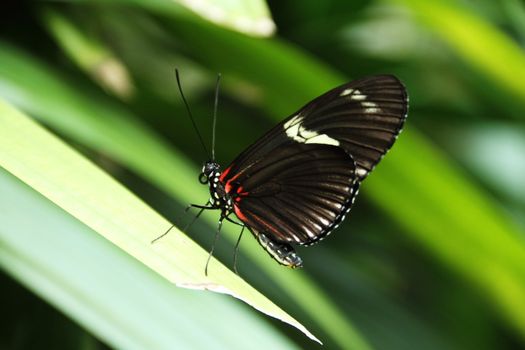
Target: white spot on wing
(324, 221)
(295, 120)
(358, 96)
(346, 92)
(293, 133)
(309, 233)
(295, 237)
(323, 139)
(361, 171)
(307, 134)
(296, 131)
(370, 107)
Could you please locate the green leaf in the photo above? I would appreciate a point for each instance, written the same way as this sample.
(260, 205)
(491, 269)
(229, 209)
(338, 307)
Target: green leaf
(488, 148)
(109, 292)
(454, 220)
(250, 17)
(480, 44)
(74, 184)
(90, 55)
(246, 16)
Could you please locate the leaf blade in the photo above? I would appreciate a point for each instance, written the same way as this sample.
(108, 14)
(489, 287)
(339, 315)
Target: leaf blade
(92, 197)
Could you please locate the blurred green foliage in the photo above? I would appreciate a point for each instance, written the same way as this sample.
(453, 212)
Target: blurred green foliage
(432, 255)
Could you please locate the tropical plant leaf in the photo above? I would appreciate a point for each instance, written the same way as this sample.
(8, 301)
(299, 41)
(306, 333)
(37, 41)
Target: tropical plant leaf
(90, 55)
(106, 290)
(74, 184)
(246, 16)
(496, 56)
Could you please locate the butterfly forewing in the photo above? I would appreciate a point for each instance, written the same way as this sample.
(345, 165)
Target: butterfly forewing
(363, 116)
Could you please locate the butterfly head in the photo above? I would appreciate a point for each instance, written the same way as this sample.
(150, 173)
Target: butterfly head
(208, 170)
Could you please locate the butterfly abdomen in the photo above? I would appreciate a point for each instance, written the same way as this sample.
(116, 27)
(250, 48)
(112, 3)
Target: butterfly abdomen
(281, 252)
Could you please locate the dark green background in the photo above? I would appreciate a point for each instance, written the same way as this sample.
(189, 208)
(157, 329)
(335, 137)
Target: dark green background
(407, 267)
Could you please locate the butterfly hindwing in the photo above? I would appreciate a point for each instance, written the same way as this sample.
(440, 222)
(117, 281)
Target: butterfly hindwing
(298, 193)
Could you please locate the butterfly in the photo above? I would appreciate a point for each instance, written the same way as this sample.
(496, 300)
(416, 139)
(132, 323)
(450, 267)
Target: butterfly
(295, 184)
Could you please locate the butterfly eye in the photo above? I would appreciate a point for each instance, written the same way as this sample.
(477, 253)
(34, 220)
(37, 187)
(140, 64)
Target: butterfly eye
(203, 179)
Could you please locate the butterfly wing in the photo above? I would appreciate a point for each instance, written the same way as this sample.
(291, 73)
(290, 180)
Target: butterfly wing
(364, 117)
(297, 194)
(296, 183)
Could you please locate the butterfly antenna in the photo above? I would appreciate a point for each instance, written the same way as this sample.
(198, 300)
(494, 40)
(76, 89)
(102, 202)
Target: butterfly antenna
(215, 116)
(189, 112)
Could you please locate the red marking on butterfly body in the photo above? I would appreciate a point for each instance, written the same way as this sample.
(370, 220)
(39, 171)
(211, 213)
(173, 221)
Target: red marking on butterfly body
(225, 173)
(228, 186)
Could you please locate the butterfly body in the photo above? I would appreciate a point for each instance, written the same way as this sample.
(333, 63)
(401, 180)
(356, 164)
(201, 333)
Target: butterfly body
(296, 183)
(219, 197)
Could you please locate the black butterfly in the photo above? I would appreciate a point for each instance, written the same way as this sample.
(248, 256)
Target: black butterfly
(297, 182)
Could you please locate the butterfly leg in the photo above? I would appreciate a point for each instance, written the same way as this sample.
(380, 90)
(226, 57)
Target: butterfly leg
(206, 206)
(188, 225)
(236, 251)
(215, 239)
(202, 208)
(280, 251)
(233, 221)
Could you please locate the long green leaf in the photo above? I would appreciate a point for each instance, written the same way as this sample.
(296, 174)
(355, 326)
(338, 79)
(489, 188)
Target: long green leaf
(478, 42)
(91, 196)
(107, 291)
(90, 55)
(247, 16)
(250, 17)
